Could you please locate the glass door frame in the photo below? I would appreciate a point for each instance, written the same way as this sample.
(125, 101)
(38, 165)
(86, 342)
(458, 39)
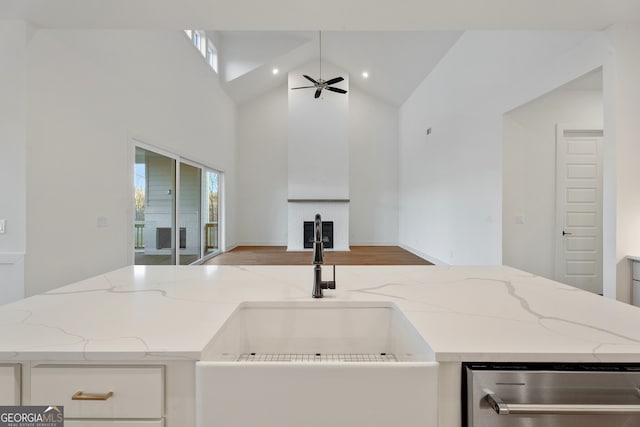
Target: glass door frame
(202, 169)
(137, 143)
(221, 229)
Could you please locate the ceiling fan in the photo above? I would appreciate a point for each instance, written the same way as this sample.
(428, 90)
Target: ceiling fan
(320, 84)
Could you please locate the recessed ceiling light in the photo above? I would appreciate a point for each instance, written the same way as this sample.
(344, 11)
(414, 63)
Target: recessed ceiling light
(365, 74)
(275, 71)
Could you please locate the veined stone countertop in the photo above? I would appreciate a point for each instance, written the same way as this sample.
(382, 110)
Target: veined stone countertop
(464, 313)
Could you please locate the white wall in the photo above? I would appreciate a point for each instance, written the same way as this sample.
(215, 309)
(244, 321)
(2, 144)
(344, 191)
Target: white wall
(529, 162)
(318, 137)
(451, 180)
(13, 43)
(373, 170)
(89, 92)
(622, 110)
(262, 169)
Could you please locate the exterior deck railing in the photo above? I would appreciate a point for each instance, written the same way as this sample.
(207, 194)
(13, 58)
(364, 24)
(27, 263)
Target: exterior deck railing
(139, 235)
(210, 235)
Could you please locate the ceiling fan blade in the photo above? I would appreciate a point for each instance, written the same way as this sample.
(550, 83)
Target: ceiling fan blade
(302, 87)
(310, 79)
(318, 91)
(334, 80)
(336, 89)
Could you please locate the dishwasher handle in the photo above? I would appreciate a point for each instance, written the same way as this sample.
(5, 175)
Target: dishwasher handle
(503, 408)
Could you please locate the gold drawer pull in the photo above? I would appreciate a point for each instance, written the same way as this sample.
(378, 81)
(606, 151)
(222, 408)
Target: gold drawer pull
(80, 395)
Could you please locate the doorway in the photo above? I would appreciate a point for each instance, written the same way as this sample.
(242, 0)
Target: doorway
(177, 205)
(155, 208)
(579, 207)
(529, 217)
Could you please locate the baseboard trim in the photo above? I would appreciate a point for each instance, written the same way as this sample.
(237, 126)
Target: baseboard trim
(285, 244)
(259, 244)
(373, 244)
(434, 261)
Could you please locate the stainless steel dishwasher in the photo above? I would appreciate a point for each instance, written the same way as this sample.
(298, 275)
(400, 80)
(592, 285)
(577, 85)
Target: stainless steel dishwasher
(551, 395)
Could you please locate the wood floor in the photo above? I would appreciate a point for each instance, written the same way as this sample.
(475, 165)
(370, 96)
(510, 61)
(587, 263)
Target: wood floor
(278, 255)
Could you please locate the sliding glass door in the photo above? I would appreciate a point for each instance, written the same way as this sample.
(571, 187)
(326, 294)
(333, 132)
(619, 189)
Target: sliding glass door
(155, 213)
(177, 205)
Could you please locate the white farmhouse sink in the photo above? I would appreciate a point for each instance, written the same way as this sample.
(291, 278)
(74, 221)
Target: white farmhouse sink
(316, 364)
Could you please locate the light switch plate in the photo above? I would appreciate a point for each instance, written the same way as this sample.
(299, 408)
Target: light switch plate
(3, 223)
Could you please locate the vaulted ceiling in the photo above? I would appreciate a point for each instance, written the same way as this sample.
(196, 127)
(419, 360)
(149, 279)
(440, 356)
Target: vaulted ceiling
(397, 42)
(338, 15)
(397, 61)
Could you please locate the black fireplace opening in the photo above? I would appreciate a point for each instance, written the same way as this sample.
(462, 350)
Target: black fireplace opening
(327, 234)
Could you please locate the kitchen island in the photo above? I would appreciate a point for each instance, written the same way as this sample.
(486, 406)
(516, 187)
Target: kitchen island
(164, 317)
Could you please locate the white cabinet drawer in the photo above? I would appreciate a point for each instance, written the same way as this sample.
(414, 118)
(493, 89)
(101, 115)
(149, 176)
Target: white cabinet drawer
(9, 385)
(138, 391)
(114, 423)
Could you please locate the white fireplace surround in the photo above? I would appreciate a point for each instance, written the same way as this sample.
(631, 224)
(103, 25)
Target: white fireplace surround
(301, 210)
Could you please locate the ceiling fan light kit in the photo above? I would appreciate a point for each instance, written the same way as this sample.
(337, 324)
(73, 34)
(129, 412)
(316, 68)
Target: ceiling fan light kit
(321, 84)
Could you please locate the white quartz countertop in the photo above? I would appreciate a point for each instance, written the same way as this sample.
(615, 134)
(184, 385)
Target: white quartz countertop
(464, 313)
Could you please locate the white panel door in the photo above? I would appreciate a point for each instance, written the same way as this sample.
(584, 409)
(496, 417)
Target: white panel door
(579, 208)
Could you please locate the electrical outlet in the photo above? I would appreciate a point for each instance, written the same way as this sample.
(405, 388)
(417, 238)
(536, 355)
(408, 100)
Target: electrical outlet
(3, 223)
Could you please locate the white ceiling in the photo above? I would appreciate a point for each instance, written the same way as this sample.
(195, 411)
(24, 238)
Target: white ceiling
(394, 40)
(339, 15)
(396, 61)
